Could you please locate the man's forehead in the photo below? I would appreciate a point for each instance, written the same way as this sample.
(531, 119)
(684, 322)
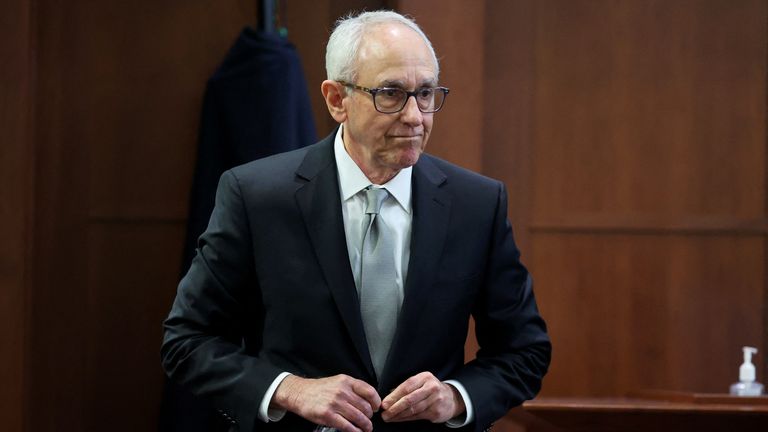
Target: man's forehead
(387, 50)
(381, 38)
(389, 32)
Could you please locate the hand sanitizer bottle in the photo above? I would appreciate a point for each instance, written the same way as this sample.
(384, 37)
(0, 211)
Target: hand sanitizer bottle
(747, 385)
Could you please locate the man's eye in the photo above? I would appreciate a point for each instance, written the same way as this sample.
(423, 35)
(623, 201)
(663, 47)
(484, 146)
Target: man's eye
(426, 93)
(390, 93)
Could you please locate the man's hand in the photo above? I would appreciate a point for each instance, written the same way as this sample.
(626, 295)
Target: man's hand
(340, 401)
(422, 397)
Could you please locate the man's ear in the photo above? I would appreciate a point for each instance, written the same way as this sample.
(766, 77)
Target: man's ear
(334, 93)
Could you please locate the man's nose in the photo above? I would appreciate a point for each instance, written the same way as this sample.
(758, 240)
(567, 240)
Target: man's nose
(411, 113)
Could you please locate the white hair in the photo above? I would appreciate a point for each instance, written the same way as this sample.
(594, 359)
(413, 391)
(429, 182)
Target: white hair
(344, 43)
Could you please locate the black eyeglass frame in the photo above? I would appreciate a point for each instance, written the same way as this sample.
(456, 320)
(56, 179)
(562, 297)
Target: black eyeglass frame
(373, 91)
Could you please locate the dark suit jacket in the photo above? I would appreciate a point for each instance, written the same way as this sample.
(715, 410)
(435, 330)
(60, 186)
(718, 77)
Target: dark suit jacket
(271, 290)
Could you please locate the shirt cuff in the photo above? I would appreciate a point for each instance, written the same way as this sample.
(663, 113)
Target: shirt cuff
(469, 414)
(267, 414)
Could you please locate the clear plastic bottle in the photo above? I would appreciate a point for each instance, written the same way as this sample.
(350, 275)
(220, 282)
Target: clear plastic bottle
(747, 385)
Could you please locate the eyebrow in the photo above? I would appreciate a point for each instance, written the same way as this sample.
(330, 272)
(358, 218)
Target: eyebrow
(400, 84)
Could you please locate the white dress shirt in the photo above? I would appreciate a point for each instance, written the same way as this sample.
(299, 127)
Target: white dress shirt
(397, 212)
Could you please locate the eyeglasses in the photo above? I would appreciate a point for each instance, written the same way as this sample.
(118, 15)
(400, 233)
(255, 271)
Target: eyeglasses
(391, 100)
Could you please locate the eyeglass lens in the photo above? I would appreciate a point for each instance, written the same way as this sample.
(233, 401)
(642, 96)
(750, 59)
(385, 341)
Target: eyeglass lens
(391, 100)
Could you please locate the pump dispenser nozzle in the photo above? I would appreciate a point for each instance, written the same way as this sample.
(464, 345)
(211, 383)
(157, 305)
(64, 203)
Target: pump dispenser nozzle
(747, 369)
(747, 385)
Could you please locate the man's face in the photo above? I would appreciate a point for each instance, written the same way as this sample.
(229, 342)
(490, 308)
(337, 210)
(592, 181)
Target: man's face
(391, 55)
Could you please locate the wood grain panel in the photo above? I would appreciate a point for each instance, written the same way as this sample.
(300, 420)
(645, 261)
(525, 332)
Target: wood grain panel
(116, 110)
(649, 208)
(132, 272)
(631, 312)
(136, 95)
(509, 75)
(650, 224)
(16, 182)
(57, 328)
(650, 107)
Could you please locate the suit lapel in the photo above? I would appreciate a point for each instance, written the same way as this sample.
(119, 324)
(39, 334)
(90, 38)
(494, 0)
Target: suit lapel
(319, 202)
(431, 213)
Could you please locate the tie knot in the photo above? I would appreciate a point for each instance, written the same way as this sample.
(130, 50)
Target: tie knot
(374, 199)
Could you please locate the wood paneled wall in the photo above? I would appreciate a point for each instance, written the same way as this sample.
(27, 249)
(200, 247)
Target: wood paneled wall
(16, 181)
(649, 199)
(631, 135)
(117, 100)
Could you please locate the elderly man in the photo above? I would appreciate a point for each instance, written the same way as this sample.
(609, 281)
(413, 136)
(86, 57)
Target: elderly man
(334, 284)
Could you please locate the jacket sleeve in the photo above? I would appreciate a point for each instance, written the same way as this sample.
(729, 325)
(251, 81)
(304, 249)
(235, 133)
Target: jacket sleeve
(514, 346)
(203, 347)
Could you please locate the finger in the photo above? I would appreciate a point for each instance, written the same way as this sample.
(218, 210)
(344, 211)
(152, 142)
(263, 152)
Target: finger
(412, 412)
(404, 404)
(354, 416)
(368, 393)
(349, 392)
(416, 394)
(360, 404)
(421, 410)
(407, 405)
(405, 415)
(354, 408)
(337, 421)
(427, 402)
(405, 388)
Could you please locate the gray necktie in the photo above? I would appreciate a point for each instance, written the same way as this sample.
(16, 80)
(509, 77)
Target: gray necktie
(379, 299)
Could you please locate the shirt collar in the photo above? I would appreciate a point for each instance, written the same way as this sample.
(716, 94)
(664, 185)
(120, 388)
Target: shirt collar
(352, 180)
